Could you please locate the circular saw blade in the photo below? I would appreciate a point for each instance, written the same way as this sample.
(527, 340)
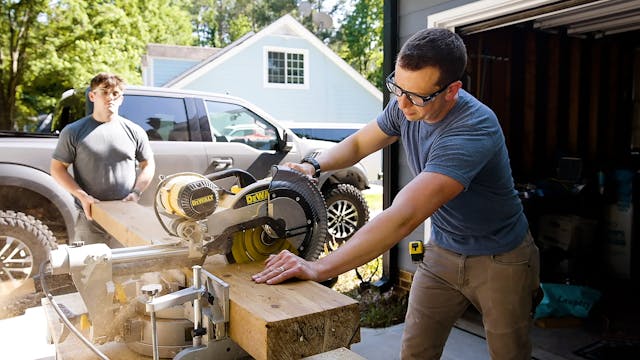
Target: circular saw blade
(297, 201)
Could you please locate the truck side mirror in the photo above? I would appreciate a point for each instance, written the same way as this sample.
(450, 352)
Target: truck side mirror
(285, 145)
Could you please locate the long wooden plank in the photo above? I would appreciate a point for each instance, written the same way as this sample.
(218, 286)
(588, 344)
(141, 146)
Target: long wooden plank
(287, 321)
(130, 223)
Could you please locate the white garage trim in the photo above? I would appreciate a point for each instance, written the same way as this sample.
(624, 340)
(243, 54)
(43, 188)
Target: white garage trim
(479, 11)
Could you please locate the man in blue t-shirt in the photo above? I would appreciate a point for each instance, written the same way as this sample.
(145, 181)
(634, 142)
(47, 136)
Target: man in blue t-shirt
(480, 251)
(103, 149)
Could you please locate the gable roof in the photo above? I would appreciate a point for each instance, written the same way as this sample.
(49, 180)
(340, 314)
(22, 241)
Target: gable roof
(285, 25)
(180, 51)
(198, 70)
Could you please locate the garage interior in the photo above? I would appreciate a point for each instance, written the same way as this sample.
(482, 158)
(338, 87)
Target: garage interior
(564, 81)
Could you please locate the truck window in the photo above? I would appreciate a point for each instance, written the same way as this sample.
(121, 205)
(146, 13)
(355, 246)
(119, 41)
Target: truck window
(237, 124)
(335, 135)
(163, 118)
(70, 108)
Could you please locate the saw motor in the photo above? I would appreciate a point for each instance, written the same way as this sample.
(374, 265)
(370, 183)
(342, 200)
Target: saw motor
(188, 195)
(185, 199)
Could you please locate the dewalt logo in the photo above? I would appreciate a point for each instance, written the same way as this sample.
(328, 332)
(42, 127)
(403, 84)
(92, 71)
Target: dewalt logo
(201, 200)
(257, 197)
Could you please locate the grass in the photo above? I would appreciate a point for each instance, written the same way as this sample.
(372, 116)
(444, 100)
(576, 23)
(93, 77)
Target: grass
(377, 309)
(374, 200)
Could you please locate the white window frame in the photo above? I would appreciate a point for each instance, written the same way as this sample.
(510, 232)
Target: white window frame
(305, 64)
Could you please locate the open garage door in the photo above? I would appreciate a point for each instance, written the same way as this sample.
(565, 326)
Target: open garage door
(575, 17)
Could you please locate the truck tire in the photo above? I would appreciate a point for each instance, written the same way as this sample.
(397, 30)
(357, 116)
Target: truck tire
(347, 211)
(25, 243)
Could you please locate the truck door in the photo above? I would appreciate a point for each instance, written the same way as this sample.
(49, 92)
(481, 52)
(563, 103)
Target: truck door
(242, 139)
(167, 121)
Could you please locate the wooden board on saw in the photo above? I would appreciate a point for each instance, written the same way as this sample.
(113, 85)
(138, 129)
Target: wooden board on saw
(130, 223)
(287, 321)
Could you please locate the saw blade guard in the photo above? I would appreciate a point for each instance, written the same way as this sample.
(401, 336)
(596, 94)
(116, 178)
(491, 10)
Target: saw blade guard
(293, 199)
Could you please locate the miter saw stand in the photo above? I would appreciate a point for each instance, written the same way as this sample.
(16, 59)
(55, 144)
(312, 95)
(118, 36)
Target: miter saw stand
(163, 330)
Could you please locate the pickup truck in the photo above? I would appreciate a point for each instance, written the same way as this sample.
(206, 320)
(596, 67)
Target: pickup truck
(189, 132)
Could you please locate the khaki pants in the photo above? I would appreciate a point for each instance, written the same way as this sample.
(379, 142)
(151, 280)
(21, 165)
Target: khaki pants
(500, 286)
(90, 232)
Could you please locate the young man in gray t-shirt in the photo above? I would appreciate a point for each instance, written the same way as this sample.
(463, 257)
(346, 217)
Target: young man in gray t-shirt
(103, 149)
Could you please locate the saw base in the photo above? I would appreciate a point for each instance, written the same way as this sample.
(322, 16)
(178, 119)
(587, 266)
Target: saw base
(69, 347)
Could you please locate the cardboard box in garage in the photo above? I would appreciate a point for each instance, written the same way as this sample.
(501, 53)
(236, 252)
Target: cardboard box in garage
(567, 232)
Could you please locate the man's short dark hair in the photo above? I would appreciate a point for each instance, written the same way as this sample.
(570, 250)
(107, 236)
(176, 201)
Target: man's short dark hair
(107, 80)
(436, 47)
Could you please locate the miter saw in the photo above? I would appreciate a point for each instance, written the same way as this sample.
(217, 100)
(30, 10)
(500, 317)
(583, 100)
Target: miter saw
(157, 299)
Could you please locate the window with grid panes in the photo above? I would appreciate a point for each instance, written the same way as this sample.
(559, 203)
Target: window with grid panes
(286, 68)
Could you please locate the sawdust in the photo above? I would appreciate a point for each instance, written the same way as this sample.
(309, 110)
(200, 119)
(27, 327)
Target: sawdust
(16, 302)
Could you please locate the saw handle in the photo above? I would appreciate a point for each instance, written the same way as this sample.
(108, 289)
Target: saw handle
(244, 178)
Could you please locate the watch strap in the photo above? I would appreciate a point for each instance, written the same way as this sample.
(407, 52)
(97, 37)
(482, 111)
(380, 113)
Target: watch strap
(314, 163)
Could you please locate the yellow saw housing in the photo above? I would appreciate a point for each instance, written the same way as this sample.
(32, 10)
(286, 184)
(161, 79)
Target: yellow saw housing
(190, 196)
(249, 245)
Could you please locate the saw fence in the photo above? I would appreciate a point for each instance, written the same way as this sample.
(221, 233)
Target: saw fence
(297, 319)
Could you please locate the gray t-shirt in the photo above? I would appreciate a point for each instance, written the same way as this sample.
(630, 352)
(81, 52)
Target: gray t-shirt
(468, 146)
(103, 155)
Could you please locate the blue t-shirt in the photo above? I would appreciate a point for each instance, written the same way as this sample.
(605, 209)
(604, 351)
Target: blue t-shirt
(468, 146)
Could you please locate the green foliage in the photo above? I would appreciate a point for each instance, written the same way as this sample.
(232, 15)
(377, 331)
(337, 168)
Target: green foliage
(239, 26)
(359, 40)
(69, 41)
(374, 199)
(19, 27)
(377, 309)
(203, 15)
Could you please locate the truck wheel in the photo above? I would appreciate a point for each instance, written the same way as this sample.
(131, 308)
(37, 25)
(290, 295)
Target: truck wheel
(24, 244)
(347, 211)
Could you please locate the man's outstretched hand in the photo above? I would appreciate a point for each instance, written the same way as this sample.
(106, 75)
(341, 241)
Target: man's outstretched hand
(283, 266)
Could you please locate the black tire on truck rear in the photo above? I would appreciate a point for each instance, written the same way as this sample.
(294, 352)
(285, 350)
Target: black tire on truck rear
(25, 243)
(347, 211)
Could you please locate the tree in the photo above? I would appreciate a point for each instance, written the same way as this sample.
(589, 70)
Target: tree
(239, 26)
(203, 15)
(359, 40)
(220, 22)
(72, 40)
(18, 43)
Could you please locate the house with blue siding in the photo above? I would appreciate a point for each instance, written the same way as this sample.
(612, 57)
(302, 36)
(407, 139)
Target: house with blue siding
(284, 69)
(162, 63)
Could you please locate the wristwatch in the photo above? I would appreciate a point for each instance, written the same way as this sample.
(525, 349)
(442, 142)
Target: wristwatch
(314, 162)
